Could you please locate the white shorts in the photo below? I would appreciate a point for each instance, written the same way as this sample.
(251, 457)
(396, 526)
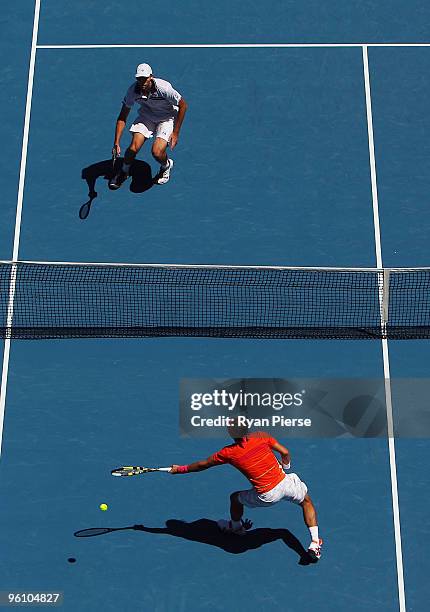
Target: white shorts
(290, 489)
(163, 129)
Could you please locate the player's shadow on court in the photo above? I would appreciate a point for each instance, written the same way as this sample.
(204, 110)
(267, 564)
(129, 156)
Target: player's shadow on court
(206, 531)
(140, 174)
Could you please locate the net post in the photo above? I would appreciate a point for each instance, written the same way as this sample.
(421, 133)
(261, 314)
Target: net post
(11, 300)
(385, 300)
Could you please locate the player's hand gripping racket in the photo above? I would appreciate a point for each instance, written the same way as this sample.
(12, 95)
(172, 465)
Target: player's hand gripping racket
(136, 470)
(115, 154)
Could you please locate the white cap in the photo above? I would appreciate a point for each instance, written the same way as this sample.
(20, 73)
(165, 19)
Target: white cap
(143, 70)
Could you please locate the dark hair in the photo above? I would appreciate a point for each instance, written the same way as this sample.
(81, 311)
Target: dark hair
(237, 431)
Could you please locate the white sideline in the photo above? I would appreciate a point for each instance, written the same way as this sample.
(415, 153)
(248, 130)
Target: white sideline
(386, 361)
(6, 350)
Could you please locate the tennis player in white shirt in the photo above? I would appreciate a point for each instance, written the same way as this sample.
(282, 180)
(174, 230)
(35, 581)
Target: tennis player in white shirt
(161, 113)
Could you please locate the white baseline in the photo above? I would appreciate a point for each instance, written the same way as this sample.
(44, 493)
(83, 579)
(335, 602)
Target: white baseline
(234, 46)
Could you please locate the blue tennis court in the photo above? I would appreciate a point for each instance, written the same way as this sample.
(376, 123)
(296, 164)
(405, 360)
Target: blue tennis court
(273, 167)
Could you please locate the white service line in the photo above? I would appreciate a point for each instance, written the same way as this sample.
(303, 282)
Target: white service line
(6, 350)
(235, 46)
(385, 356)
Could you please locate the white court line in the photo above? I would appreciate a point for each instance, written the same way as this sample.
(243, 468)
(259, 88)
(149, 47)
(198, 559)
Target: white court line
(236, 46)
(386, 361)
(6, 352)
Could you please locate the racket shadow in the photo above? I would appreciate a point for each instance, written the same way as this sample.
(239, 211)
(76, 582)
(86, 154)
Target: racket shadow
(206, 531)
(97, 531)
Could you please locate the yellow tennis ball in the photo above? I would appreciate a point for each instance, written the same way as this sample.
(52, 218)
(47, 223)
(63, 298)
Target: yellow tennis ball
(103, 507)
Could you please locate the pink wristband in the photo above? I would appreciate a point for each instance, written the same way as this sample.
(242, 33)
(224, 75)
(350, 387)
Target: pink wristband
(182, 469)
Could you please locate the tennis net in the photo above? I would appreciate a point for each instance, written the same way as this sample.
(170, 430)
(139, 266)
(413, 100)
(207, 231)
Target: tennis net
(77, 300)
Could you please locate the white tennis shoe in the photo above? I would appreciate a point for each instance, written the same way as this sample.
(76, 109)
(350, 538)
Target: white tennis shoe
(314, 550)
(164, 175)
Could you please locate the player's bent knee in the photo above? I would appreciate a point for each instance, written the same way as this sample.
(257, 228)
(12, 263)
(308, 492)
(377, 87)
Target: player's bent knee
(158, 151)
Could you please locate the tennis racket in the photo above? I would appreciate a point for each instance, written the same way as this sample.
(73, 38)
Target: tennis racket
(114, 157)
(84, 211)
(135, 470)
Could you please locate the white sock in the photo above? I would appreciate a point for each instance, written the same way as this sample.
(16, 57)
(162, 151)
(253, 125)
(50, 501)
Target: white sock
(314, 533)
(126, 167)
(236, 524)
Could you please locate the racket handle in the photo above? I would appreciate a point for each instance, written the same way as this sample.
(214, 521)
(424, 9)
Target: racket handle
(166, 469)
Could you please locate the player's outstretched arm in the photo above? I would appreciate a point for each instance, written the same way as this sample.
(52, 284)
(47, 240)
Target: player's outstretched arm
(197, 466)
(284, 452)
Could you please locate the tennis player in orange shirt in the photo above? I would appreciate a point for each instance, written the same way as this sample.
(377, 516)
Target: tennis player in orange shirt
(253, 455)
